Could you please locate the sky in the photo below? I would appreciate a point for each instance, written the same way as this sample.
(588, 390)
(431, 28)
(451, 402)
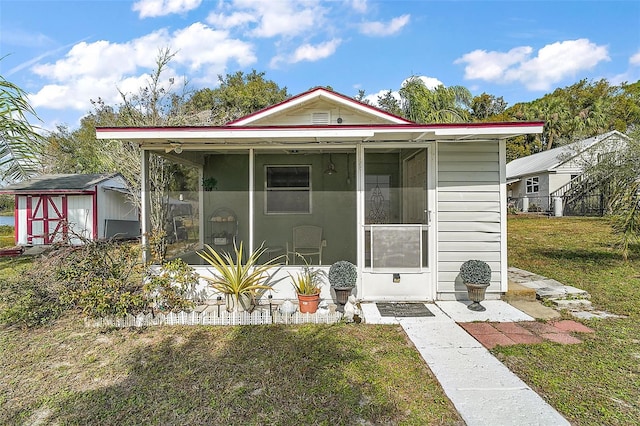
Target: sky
(66, 53)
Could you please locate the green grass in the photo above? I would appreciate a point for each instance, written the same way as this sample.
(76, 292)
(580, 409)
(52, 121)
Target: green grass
(7, 238)
(598, 381)
(337, 374)
(286, 375)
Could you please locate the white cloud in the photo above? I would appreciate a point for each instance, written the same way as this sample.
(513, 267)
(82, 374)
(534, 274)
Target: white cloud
(155, 8)
(553, 63)
(311, 53)
(429, 82)
(271, 18)
(236, 19)
(381, 29)
(635, 59)
(91, 70)
(360, 6)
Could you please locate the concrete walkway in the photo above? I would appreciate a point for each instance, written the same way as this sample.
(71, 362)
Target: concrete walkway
(482, 389)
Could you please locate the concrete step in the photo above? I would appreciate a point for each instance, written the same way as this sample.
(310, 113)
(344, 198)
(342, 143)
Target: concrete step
(517, 291)
(562, 292)
(571, 303)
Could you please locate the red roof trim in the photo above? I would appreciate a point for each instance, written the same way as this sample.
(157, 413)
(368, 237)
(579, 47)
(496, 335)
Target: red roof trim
(414, 126)
(323, 90)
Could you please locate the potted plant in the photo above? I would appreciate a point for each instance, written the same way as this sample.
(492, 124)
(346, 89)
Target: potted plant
(476, 275)
(307, 284)
(242, 284)
(342, 278)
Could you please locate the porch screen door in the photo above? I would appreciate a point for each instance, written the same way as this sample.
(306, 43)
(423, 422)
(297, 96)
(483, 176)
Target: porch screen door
(396, 221)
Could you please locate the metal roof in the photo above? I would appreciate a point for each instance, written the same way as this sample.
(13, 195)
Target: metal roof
(59, 182)
(548, 160)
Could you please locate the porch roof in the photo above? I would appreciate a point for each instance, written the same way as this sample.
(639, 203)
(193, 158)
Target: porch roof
(208, 137)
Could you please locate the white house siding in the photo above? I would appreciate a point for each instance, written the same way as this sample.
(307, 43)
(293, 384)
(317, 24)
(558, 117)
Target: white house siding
(303, 115)
(469, 213)
(113, 205)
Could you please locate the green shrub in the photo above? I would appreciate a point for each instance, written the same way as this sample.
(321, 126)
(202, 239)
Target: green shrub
(343, 274)
(172, 287)
(475, 272)
(29, 299)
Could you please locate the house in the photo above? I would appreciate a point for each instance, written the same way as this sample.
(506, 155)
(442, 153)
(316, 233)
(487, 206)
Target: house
(544, 181)
(70, 207)
(407, 203)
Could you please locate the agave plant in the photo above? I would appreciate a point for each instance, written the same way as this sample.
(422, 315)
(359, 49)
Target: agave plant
(309, 280)
(242, 283)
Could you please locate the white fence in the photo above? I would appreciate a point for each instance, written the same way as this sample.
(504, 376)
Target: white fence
(215, 318)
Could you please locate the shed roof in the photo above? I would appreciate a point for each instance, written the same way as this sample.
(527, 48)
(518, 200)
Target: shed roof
(59, 182)
(548, 160)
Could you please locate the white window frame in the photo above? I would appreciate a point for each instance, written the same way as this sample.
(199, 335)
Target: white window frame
(270, 190)
(532, 184)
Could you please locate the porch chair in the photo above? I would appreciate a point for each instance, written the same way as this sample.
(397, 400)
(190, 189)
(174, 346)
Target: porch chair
(307, 241)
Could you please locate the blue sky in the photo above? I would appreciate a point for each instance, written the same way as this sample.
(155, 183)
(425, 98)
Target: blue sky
(65, 53)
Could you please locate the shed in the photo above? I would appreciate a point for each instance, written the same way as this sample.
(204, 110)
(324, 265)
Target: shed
(72, 207)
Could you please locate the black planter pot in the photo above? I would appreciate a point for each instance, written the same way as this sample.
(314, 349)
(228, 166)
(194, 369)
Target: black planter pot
(476, 295)
(342, 296)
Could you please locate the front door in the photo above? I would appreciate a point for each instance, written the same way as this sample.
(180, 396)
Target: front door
(396, 237)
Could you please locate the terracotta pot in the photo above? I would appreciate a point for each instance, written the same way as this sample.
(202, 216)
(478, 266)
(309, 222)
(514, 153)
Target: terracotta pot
(309, 303)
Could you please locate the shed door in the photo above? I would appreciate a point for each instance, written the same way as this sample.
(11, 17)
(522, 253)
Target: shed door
(46, 219)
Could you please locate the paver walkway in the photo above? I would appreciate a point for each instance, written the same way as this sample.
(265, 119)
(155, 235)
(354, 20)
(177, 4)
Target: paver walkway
(482, 389)
(491, 334)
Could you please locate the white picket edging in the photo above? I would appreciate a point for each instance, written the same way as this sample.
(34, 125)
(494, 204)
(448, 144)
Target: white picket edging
(258, 317)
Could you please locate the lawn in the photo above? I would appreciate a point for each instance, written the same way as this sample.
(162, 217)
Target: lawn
(342, 374)
(333, 374)
(6, 236)
(598, 381)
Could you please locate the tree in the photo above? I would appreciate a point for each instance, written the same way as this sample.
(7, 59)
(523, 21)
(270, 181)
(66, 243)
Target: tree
(20, 142)
(239, 94)
(388, 102)
(439, 105)
(487, 107)
(617, 171)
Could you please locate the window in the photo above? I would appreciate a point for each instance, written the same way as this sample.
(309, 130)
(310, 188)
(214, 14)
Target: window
(533, 184)
(287, 189)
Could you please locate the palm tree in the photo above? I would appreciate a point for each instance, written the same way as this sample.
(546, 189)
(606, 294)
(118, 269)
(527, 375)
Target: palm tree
(20, 143)
(439, 105)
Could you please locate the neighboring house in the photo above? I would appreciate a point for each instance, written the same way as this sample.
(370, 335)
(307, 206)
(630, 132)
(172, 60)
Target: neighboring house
(406, 203)
(72, 207)
(543, 181)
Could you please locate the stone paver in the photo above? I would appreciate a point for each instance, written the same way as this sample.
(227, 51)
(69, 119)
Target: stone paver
(564, 338)
(574, 326)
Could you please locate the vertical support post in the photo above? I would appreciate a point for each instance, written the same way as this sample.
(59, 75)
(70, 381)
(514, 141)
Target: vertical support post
(145, 205)
(251, 190)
